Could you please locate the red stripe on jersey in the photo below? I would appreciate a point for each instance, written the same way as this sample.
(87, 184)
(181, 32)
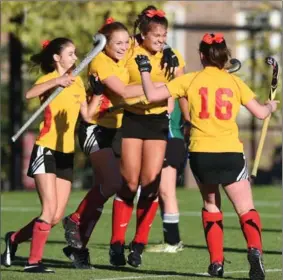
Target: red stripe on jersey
(47, 122)
(105, 104)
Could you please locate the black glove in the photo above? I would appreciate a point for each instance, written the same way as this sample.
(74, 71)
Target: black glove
(143, 63)
(96, 86)
(170, 61)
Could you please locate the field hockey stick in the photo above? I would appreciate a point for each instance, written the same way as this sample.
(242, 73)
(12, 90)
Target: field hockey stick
(99, 43)
(272, 62)
(235, 66)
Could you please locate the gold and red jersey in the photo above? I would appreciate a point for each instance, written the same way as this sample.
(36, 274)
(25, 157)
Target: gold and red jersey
(157, 75)
(60, 116)
(103, 66)
(214, 99)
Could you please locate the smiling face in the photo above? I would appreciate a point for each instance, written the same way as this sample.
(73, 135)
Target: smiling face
(67, 58)
(117, 45)
(155, 38)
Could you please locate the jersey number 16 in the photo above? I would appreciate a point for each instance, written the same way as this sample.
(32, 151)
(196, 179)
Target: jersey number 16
(219, 104)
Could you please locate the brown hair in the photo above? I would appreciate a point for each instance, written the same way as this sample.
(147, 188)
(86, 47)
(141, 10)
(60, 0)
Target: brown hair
(215, 50)
(45, 58)
(109, 28)
(143, 22)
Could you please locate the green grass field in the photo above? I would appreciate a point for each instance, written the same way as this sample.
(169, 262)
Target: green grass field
(19, 207)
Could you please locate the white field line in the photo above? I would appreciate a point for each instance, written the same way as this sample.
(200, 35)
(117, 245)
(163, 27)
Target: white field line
(176, 275)
(109, 211)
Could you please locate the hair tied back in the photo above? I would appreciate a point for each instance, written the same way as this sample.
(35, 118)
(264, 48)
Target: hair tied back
(45, 43)
(152, 13)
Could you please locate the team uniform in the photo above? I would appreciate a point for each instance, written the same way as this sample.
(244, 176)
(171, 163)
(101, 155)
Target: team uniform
(144, 120)
(175, 149)
(216, 153)
(53, 151)
(103, 131)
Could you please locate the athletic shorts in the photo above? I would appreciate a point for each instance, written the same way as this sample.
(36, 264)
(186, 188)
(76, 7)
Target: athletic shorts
(175, 153)
(145, 127)
(44, 160)
(218, 168)
(94, 137)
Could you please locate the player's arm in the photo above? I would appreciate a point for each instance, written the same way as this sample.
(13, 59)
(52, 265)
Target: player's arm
(88, 110)
(41, 88)
(261, 111)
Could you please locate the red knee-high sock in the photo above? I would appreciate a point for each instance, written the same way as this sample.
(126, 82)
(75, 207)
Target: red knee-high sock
(24, 233)
(121, 216)
(40, 234)
(91, 214)
(213, 230)
(251, 227)
(146, 211)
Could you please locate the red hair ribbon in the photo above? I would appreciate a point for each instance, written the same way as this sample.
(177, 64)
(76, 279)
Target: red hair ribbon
(45, 43)
(152, 13)
(109, 20)
(209, 39)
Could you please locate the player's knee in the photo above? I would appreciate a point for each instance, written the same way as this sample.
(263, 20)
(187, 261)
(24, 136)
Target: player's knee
(151, 179)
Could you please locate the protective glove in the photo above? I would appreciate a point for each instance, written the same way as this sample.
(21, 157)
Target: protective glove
(143, 63)
(169, 61)
(96, 87)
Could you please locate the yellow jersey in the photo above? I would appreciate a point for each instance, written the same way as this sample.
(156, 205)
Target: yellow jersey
(58, 126)
(214, 99)
(157, 75)
(105, 67)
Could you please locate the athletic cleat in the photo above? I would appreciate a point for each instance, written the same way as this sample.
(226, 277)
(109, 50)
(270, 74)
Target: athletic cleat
(37, 268)
(165, 248)
(135, 256)
(79, 257)
(72, 233)
(257, 269)
(116, 254)
(9, 255)
(216, 269)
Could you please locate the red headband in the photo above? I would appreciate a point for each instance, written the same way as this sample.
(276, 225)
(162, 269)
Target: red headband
(210, 39)
(45, 43)
(109, 20)
(152, 13)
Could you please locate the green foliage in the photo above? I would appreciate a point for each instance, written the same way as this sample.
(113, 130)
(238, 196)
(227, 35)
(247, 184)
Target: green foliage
(44, 20)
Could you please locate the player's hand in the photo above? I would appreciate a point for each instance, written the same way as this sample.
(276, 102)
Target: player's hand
(96, 87)
(272, 104)
(143, 63)
(170, 62)
(65, 80)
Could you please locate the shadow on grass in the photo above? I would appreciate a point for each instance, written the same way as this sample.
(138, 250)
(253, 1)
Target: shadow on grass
(21, 261)
(263, 230)
(235, 250)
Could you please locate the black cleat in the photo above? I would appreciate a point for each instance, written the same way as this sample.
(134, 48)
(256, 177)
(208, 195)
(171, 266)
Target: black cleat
(257, 269)
(116, 254)
(79, 257)
(37, 268)
(135, 256)
(72, 233)
(9, 255)
(216, 270)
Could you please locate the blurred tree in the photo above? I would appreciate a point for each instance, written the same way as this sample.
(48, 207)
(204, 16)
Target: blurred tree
(49, 19)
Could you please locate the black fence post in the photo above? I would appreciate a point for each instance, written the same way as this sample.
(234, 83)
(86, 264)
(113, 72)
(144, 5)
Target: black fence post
(15, 106)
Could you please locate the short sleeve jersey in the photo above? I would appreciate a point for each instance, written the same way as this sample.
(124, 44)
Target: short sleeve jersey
(157, 75)
(58, 126)
(214, 99)
(105, 67)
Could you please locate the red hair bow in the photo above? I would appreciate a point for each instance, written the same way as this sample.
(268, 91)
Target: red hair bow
(109, 20)
(209, 39)
(45, 43)
(152, 13)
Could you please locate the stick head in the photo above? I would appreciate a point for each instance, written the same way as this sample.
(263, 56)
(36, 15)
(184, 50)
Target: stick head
(235, 65)
(272, 62)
